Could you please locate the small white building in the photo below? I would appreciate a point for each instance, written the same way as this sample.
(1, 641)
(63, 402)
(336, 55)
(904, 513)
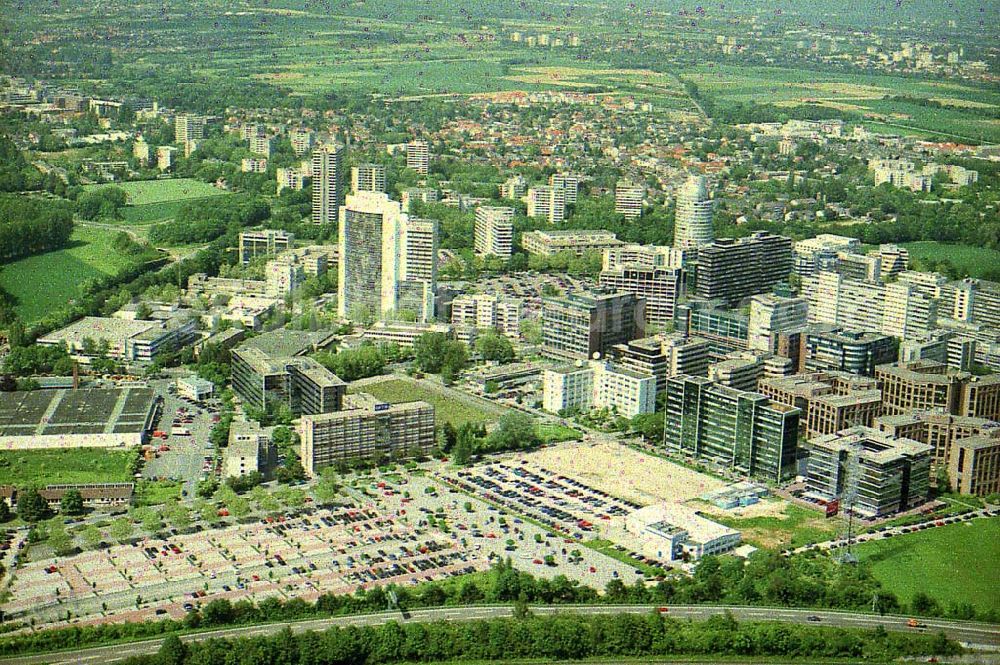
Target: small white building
(195, 388)
(671, 532)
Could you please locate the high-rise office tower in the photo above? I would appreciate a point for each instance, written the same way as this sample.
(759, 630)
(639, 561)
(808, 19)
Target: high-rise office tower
(418, 156)
(547, 202)
(628, 200)
(733, 269)
(188, 127)
(387, 260)
(368, 178)
(494, 231)
(327, 176)
(693, 225)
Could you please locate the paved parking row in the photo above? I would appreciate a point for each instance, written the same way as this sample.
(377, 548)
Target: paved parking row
(562, 503)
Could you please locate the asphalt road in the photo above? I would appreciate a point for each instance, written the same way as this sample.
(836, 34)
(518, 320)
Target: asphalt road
(976, 635)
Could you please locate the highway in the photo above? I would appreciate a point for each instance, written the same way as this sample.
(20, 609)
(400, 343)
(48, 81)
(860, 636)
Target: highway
(976, 635)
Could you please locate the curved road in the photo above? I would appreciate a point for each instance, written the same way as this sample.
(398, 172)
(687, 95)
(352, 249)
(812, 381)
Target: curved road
(976, 635)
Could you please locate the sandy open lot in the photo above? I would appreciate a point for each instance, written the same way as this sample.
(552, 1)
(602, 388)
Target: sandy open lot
(623, 472)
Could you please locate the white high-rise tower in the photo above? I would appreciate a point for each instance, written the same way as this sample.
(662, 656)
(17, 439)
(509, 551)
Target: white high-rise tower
(693, 224)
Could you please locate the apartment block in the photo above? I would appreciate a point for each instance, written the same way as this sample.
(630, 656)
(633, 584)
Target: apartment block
(266, 242)
(547, 243)
(417, 194)
(327, 183)
(579, 325)
(547, 203)
(260, 145)
(897, 309)
(600, 385)
(188, 127)
(661, 288)
(628, 200)
(418, 156)
(871, 473)
(487, 311)
(368, 178)
(741, 430)
(302, 140)
(494, 231)
(292, 179)
(644, 256)
(514, 188)
(569, 183)
(253, 165)
(388, 260)
(733, 269)
(367, 430)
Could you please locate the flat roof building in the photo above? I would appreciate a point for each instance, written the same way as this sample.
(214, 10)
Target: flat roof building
(579, 325)
(930, 386)
(494, 231)
(743, 431)
(829, 401)
(671, 532)
(249, 451)
(871, 473)
(264, 243)
(974, 466)
(366, 430)
(368, 178)
(732, 269)
(547, 243)
(826, 348)
(600, 385)
(940, 430)
(664, 355)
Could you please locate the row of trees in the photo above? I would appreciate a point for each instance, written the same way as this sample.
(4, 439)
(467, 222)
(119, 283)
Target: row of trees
(514, 431)
(362, 362)
(559, 637)
(436, 353)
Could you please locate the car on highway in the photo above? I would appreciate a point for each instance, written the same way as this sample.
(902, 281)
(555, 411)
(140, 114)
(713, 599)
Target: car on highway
(813, 618)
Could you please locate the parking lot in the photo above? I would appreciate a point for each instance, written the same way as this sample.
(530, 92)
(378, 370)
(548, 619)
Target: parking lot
(185, 458)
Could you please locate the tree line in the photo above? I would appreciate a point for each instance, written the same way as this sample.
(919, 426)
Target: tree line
(30, 225)
(205, 220)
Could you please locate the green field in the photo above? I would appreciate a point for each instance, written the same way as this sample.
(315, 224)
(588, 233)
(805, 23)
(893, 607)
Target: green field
(446, 407)
(144, 192)
(969, 260)
(959, 563)
(76, 465)
(150, 213)
(45, 282)
(556, 433)
(797, 527)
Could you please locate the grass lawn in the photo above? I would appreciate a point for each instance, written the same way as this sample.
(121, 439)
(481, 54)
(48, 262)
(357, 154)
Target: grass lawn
(955, 563)
(798, 526)
(149, 213)
(446, 407)
(150, 493)
(142, 192)
(555, 433)
(44, 282)
(75, 465)
(967, 258)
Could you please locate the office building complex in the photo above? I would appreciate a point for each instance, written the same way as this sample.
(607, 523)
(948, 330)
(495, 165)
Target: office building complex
(547, 203)
(938, 430)
(880, 475)
(418, 156)
(547, 243)
(659, 287)
(388, 260)
(569, 183)
(188, 127)
(488, 311)
(267, 242)
(771, 314)
(743, 431)
(828, 401)
(628, 200)
(930, 386)
(579, 325)
(298, 383)
(368, 178)
(825, 348)
(494, 231)
(818, 254)
(897, 309)
(974, 466)
(327, 178)
(366, 430)
(740, 370)
(733, 269)
(664, 355)
(726, 330)
(693, 221)
(598, 384)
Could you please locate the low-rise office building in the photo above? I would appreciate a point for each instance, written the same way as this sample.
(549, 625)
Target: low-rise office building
(930, 386)
(547, 243)
(939, 430)
(672, 532)
(974, 466)
(826, 348)
(598, 384)
(829, 401)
